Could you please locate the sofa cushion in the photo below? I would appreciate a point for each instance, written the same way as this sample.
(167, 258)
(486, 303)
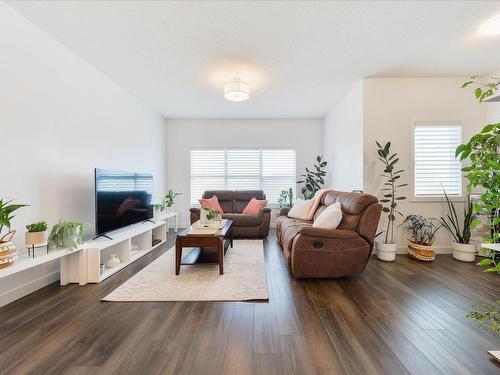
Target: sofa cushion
(212, 203)
(329, 218)
(300, 209)
(254, 206)
(243, 220)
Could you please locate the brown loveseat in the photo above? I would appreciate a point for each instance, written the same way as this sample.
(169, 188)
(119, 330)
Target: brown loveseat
(233, 203)
(317, 252)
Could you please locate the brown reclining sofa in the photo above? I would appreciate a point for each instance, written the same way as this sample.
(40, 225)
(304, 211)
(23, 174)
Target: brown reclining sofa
(318, 252)
(233, 203)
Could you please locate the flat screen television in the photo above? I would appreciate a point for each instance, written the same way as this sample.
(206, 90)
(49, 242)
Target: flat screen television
(121, 199)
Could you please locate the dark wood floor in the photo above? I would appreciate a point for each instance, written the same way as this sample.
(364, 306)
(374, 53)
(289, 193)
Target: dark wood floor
(395, 318)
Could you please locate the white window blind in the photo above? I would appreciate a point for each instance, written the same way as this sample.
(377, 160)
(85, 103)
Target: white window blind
(435, 165)
(271, 170)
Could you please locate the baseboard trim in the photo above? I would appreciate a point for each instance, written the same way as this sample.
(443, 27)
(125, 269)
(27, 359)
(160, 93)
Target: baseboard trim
(27, 288)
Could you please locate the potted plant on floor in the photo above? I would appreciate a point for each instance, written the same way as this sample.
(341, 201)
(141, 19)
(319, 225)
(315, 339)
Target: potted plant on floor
(460, 246)
(313, 180)
(423, 231)
(285, 200)
(386, 249)
(8, 252)
(169, 199)
(36, 234)
(66, 235)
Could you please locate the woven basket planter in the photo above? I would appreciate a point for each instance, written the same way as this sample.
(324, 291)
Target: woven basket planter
(421, 252)
(8, 252)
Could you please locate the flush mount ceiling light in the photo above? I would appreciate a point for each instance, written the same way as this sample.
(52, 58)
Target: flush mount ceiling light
(236, 90)
(492, 26)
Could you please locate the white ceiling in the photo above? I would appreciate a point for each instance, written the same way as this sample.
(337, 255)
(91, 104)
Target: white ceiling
(298, 57)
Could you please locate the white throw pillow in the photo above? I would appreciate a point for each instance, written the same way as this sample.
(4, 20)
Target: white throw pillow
(330, 218)
(300, 209)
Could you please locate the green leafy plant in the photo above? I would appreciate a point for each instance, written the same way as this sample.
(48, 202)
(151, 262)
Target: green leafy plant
(211, 213)
(170, 197)
(286, 198)
(487, 316)
(40, 226)
(459, 232)
(6, 210)
(313, 179)
(482, 153)
(390, 190)
(423, 230)
(159, 206)
(66, 234)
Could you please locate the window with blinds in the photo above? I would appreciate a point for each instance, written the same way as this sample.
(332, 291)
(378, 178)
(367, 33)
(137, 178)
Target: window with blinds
(435, 166)
(271, 170)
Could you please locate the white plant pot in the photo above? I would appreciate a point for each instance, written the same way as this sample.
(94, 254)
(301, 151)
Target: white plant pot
(386, 251)
(463, 252)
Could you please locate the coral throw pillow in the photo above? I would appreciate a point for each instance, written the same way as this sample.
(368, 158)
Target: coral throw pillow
(254, 206)
(330, 218)
(300, 209)
(212, 203)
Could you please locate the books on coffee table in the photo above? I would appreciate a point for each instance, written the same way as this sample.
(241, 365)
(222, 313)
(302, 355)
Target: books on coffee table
(202, 231)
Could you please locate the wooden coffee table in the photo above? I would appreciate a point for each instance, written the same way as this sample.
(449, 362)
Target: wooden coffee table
(209, 248)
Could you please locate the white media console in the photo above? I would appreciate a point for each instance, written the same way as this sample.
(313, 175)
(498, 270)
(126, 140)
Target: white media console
(83, 265)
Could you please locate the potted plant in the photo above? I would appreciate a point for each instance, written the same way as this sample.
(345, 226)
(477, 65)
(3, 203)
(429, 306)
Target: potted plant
(460, 246)
(168, 200)
(313, 179)
(66, 235)
(423, 231)
(36, 234)
(8, 252)
(159, 208)
(483, 171)
(386, 249)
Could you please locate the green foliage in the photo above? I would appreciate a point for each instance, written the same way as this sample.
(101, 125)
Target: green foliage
(483, 89)
(40, 226)
(313, 179)
(423, 230)
(492, 263)
(66, 234)
(452, 224)
(487, 316)
(211, 213)
(170, 197)
(286, 198)
(6, 210)
(482, 153)
(160, 206)
(391, 187)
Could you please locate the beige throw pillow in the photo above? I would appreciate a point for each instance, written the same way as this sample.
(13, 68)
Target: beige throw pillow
(300, 209)
(330, 218)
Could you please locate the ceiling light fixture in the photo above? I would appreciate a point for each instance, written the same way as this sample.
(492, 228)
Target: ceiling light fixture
(236, 90)
(492, 26)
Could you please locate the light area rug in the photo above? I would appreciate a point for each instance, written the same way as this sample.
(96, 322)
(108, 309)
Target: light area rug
(244, 278)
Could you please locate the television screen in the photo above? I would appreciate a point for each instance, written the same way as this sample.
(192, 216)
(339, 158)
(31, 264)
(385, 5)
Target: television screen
(121, 199)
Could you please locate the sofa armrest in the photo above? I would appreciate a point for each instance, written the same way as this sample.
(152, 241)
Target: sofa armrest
(194, 210)
(264, 210)
(194, 214)
(284, 211)
(329, 233)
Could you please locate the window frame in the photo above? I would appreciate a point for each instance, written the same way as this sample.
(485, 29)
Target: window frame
(261, 177)
(412, 125)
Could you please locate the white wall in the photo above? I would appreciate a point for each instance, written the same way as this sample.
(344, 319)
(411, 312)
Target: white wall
(390, 104)
(59, 119)
(305, 136)
(343, 142)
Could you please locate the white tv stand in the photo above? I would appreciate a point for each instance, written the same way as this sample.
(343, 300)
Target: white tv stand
(130, 243)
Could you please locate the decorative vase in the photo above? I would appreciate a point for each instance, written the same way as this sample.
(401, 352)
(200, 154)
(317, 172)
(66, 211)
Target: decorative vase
(113, 261)
(169, 209)
(421, 252)
(463, 252)
(35, 238)
(386, 251)
(8, 252)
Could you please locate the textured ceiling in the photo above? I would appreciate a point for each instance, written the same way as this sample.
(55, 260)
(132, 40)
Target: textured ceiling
(298, 57)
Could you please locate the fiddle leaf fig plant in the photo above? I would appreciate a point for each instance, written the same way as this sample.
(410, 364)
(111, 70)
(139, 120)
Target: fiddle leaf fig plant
(390, 191)
(313, 179)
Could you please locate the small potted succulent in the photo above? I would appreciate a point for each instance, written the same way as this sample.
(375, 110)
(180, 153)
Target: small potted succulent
(36, 234)
(66, 235)
(460, 246)
(169, 199)
(423, 231)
